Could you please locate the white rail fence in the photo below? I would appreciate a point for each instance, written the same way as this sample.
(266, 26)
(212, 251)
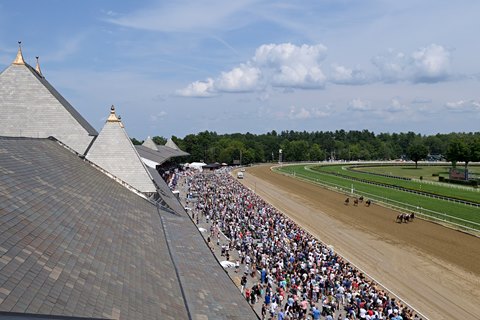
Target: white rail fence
(396, 205)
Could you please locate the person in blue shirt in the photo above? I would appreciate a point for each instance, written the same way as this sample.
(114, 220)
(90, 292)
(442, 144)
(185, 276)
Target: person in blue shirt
(315, 313)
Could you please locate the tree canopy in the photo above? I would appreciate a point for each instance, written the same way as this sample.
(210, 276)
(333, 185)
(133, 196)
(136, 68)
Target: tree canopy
(417, 151)
(210, 146)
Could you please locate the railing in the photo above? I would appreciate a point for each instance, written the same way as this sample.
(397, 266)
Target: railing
(449, 185)
(391, 186)
(396, 205)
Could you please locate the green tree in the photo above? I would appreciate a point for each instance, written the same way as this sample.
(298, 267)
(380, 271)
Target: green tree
(457, 150)
(316, 153)
(417, 151)
(475, 149)
(296, 151)
(159, 140)
(136, 142)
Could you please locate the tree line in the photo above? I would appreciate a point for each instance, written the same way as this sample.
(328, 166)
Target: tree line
(209, 146)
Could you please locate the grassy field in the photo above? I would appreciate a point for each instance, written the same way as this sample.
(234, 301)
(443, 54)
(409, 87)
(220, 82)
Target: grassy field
(440, 209)
(409, 171)
(469, 194)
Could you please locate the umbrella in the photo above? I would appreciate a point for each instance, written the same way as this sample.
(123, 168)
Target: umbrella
(202, 229)
(227, 264)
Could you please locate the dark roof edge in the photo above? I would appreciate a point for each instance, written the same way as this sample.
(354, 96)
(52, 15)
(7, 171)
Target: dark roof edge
(174, 262)
(28, 316)
(75, 114)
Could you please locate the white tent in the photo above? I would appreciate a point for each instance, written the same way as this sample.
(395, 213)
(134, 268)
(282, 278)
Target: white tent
(227, 264)
(197, 165)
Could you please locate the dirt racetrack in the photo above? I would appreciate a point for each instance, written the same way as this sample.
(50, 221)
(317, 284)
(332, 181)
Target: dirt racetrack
(434, 269)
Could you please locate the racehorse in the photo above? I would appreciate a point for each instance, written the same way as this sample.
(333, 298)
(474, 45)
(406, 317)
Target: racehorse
(355, 202)
(368, 203)
(400, 218)
(405, 217)
(360, 199)
(347, 201)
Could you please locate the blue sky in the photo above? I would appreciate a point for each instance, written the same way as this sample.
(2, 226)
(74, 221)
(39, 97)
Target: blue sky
(179, 67)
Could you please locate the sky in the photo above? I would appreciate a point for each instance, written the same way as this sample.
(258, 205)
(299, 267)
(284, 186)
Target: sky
(185, 66)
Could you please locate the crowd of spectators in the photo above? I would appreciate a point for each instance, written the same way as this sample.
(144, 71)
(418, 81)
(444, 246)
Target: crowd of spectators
(284, 268)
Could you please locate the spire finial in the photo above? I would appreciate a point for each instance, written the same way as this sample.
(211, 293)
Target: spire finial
(112, 117)
(19, 57)
(37, 68)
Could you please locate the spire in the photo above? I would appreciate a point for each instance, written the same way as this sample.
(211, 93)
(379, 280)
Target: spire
(37, 68)
(112, 117)
(19, 57)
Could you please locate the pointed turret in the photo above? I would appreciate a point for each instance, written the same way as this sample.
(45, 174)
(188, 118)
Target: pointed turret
(31, 107)
(112, 117)
(37, 68)
(113, 151)
(171, 144)
(19, 58)
(149, 143)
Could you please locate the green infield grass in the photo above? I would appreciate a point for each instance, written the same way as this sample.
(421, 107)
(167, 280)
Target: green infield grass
(427, 172)
(453, 191)
(453, 212)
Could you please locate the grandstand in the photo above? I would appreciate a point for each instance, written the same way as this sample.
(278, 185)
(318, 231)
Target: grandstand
(88, 227)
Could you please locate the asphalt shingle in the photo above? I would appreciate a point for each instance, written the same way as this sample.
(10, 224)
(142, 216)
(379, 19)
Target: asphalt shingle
(74, 242)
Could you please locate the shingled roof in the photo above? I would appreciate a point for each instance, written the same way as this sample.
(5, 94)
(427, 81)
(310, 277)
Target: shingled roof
(73, 242)
(31, 107)
(149, 143)
(113, 151)
(171, 144)
(157, 153)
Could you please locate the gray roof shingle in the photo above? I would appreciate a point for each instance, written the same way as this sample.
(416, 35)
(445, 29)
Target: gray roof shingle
(73, 242)
(113, 151)
(31, 107)
(161, 155)
(150, 144)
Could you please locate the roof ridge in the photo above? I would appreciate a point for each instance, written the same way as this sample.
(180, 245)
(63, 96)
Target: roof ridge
(73, 112)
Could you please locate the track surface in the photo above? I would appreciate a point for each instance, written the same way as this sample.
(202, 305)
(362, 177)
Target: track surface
(434, 269)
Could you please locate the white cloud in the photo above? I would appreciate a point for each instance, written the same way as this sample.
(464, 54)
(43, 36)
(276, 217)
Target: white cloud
(299, 113)
(288, 65)
(158, 116)
(344, 75)
(360, 105)
(240, 79)
(302, 113)
(432, 64)
(428, 64)
(274, 65)
(396, 106)
(201, 89)
(463, 106)
(187, 16)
